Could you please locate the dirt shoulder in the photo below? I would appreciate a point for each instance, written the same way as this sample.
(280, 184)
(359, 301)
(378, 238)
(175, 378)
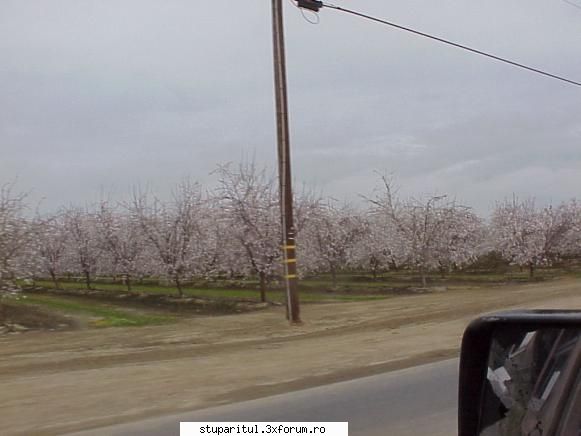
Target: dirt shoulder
(58, 382)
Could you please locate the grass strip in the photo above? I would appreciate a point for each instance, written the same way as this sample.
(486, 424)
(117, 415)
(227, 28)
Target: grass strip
(106, 316)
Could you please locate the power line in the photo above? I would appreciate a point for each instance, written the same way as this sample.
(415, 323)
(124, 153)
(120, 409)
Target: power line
(454, 44)
(317, 19)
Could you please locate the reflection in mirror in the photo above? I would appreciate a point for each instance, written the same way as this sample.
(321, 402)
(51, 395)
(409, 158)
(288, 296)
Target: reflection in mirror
(533, 385)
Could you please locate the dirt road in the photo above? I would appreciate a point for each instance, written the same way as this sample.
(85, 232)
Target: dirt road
(58, 382)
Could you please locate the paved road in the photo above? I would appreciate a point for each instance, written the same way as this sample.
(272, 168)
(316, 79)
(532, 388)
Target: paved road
(410, 402)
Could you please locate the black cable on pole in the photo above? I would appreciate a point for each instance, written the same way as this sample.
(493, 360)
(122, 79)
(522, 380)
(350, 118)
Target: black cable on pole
(454, 44)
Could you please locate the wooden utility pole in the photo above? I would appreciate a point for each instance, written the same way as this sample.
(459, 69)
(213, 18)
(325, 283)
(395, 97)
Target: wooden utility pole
(284, 167)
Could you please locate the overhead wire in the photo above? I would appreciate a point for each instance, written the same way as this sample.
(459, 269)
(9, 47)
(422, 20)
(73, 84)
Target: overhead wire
(317, 19)
(451, 43)
(308, 20)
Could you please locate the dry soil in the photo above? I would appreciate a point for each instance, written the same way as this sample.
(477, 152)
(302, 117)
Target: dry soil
(56, 382)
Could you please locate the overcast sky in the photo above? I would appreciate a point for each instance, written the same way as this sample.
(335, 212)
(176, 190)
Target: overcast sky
(103, 95)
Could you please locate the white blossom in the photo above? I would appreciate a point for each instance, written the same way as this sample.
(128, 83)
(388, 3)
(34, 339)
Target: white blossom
(174, 230)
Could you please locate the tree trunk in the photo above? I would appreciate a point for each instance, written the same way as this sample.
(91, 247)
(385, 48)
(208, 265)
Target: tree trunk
(178, 283)
(54, 279)
(334, 278)
(88, 280)
(423, 275)
(128, 282)
(262, 276)
(374, 264)
(531, 271)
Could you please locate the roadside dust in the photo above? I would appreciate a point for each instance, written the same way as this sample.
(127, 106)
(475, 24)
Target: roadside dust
(58, 382)
(30, 318)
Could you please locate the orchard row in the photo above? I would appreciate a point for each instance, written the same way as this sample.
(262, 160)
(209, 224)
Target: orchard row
(234, 231)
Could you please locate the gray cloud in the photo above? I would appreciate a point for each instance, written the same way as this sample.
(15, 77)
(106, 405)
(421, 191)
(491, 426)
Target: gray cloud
(109, 94)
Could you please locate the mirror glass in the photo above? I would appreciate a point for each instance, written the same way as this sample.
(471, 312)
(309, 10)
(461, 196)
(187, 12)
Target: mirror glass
(533, 384)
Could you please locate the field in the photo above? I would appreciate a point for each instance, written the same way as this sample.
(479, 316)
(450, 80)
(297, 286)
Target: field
(315, 289)
(161, 360)
(109, 304)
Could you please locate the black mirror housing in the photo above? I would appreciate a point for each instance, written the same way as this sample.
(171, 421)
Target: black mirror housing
(476, 350)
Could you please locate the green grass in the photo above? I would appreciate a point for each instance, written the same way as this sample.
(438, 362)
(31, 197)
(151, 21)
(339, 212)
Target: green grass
(351, 286)
(232, 294)
(156, 289)
(106, 316)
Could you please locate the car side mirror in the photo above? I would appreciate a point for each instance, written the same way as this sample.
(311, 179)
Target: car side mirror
(520, 374)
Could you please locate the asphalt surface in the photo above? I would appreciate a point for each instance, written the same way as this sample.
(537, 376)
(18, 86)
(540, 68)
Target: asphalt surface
(410, 402)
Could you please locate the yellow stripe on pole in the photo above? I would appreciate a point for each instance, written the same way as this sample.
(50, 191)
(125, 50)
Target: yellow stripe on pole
(290, 261)
(289, 247)
(290, 276)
